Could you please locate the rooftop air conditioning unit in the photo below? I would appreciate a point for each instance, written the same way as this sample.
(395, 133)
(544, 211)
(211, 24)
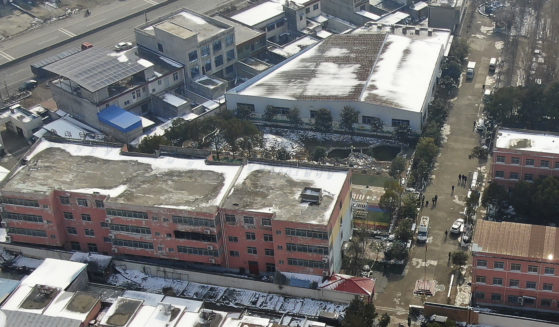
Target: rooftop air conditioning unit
(115, 250)
(325, 259)
(8, 239)
(207, 231)
(210, 247)
(4, 224)
(212, 260)
(325, 273)
(108, 220)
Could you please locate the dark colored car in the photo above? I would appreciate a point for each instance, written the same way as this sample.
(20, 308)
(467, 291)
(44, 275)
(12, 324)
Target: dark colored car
(28, 85)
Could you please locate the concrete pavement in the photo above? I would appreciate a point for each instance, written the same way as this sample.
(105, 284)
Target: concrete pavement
(431, 261)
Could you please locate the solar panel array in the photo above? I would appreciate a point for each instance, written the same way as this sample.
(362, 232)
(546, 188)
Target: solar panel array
(95, 69)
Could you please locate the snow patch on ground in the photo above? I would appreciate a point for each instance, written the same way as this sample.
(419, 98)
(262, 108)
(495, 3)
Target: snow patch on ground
(445, 132)
(146, 282)
(272, 141)
(499, 45)
(487, 29)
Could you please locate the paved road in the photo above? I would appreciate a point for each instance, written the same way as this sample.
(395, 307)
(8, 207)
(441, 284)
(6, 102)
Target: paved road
(15, 74)
(453, 160)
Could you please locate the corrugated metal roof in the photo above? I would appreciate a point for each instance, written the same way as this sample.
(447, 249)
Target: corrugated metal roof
(26, 319)
(514, 239)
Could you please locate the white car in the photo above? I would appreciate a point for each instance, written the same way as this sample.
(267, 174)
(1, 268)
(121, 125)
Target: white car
(121, 46)
(457, 226)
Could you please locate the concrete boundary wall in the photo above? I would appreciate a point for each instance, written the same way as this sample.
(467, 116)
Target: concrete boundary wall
(194, 276)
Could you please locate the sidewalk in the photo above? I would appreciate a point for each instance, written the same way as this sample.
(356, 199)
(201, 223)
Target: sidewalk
(48, 35)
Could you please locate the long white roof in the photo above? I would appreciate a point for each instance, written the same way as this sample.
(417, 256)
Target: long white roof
(260, 13)
(526, 140)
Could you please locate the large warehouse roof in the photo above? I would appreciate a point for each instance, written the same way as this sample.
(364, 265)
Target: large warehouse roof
(389, 70)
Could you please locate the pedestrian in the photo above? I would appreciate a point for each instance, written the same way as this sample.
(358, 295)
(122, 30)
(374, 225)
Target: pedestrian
(427, 204)
(436, 199)
(465, 180)
(474, 125)
(449, 254)
(483, 86)
(433, 202)
(445, 234)
(459, 178)
(452, 188)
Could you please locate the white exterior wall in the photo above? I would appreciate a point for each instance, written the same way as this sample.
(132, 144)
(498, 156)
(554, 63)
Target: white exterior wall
(386, 114)
(273, 34)
(346, 230)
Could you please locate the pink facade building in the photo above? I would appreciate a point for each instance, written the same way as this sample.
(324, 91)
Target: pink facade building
(254, 217)
(523, 155)
(516, 265)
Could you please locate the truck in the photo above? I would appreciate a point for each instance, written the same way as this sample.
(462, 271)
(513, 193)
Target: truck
(423, 229)
(471, 69)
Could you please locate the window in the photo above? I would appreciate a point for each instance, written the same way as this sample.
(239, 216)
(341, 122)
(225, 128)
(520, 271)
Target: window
(482, 263)
(68, 215)
(233, 239)
(250, 236)
(248, 220)
(268, 238)
(127, 213)
(370, 120)
(71, 230)
(301, 17)
(207, 66)
(75, 246)
(252, 250)
(160, 47)
(133, 244)
(533, 269)
(499, 265)
(175, 77)
(529, 300)
(495, 297)
(528, 177)
(194, 72)
(313, 114)
(270, 27)
(306, 263)
(229, 39)
(549, 270)
(270, 267)
(529, 162)
(547, 287)
(27, 232)
(86, 217)
(107, 240)
(479, 295)
(513, 175)
(193, 56)
(127, 102)
(99, 204)
(92, 247)
(514, 283)
(515, 161)
(89, 232)
(217, 45)
(323, 250)
(531, 285)
(234, 253)
(545, 302)
(266, 222)
(500, 174)
(65, 200)
(400, 123)
(218, 60)
(315, 6)
(280, 247)
(501, 159)
(269, 252)
(130, 229)
(513, 299)
(230, 219)
(229, 69)
(230, 55)
(193, 221)
(544, 163)
(306, 233)
(22, 202)
(515, 266)
(497, 281)
(307, 10)
(205, 50)
(23, 217)
(480, 279)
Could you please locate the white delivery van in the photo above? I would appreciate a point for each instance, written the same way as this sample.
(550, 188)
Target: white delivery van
(471, 69)
(492, 65)
(423, 229)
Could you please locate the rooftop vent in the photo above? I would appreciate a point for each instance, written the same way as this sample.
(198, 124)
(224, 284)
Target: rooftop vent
(430, 32)
(311, 195)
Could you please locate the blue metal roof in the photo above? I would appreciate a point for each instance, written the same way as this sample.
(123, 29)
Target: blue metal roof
(120, 119)
(7, 286)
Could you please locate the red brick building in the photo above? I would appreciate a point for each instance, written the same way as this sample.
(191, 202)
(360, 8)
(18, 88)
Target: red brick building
(516, 265)
(255, 218)
(524, 155)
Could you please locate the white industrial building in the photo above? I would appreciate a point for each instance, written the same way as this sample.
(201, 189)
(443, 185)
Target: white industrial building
(386, 73)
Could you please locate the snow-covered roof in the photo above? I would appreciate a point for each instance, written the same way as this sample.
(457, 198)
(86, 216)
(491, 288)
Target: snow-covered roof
(54, 273)
(68, 127)
(185, 24)
(527, 140)
(102, 261)
(174, 100)
(393, 18)
(368, 14)
(277, 189)
(295, 47)
(259, 14)
(164, 181)
(388, 70)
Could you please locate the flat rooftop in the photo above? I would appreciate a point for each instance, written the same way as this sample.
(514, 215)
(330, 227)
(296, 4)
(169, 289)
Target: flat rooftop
(382, 69)
(446, 3)
(260, 13)
(165, 181)
(526, 140)
(277, 189)
(184, 24)
(295, 47)
(54, 273)
(242, 33)
(518, 240)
